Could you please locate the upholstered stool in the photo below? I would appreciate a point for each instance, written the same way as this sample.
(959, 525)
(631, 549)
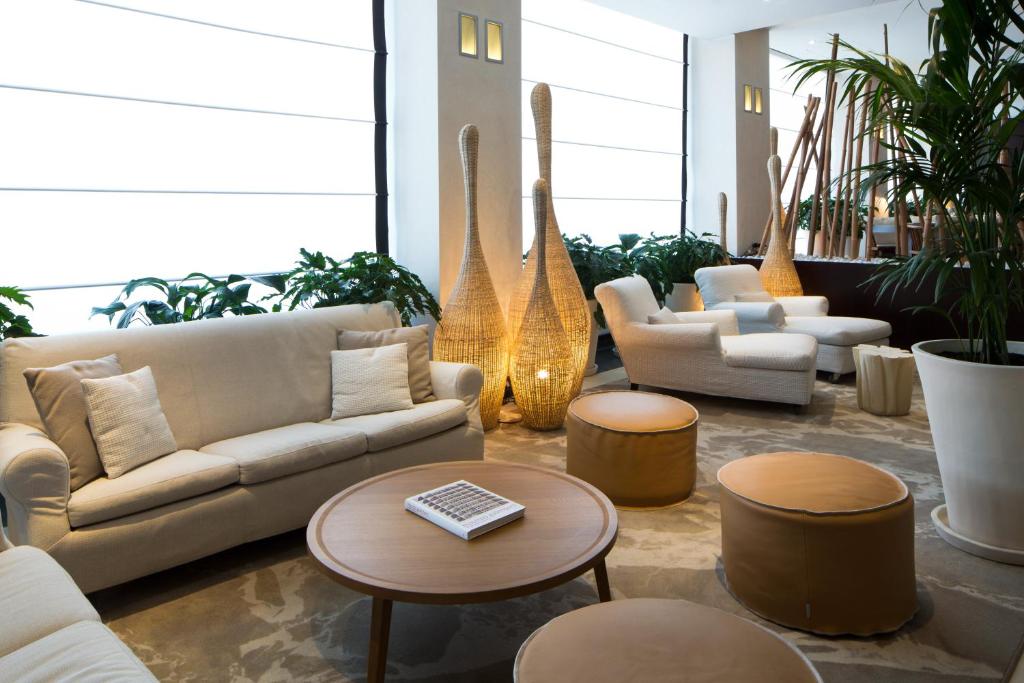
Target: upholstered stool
(648, 639)
(885, 379)
(819, 542)
(639, 448)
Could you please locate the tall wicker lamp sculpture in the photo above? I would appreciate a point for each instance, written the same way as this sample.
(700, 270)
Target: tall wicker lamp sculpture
(778, 273)
(542, 368)
(563, 281)
(472, 326)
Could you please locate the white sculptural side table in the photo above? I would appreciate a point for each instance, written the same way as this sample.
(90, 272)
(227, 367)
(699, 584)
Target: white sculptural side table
(885, 379)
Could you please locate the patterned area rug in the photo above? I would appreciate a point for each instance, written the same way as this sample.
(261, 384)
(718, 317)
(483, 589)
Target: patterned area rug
(264, 613)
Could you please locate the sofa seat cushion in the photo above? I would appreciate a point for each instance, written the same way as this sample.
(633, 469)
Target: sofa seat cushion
(387, 430)
(836, 330)
(86, 652)
(276, 453)
(37, 598)
(774, 351)
(177, 476)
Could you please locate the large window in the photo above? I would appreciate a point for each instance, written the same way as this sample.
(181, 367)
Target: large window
(158, 137)
(616, 89)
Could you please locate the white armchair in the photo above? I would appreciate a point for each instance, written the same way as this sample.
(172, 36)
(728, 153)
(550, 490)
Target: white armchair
(702, 352)
(738, 288)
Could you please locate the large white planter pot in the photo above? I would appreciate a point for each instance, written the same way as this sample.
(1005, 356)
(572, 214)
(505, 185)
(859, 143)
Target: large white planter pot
(592, 357)
(684, 297)
(976, 413)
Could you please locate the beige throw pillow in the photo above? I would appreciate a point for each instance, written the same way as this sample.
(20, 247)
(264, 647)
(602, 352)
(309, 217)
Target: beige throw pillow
(754, 296)
(663, 317)
(369, 381)
(417, 341)
(127, 421)
(58, 396)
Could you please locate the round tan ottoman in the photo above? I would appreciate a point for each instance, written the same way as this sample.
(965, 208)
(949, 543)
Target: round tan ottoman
(639, 448)
(819, 542)
(648, 639)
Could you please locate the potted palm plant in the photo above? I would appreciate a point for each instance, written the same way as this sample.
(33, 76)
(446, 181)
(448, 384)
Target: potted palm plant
(957, 123)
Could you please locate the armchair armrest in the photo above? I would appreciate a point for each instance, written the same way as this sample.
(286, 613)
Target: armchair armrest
(35, 481)
(726, 320)
(458, 380)
(637, 337)
(803, 305)
(756, 316)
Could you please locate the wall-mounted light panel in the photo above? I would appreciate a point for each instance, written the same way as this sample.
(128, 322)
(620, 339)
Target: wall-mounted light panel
(495, 41)
(468, 35)
(753, 99)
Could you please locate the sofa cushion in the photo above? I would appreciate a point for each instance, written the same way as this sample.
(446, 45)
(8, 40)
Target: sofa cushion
(386, 430)
(838, 330)
(37, 598)
(276, 453)
(174, 477)
(417, 340)
(86, 652)
(772, 351)
(371, 380)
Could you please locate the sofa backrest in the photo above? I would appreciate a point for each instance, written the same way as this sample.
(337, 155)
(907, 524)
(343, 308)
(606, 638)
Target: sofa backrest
(720, 284)
(217, 378)
(626, 300)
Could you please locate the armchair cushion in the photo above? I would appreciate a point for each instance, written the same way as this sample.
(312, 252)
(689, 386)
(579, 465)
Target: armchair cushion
(839, 330)
(663, 317)
(753, 296)
(386, 430)
(86, 652)
(174, 477)
(756, 316)
(804, 305)
(720, 284)
(770, 351)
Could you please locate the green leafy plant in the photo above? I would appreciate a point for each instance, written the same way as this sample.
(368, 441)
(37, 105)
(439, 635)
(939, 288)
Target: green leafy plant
(954, 118)
(675, 258)
(14, 324)
(595, 264)
(366, 277)
(196, 297)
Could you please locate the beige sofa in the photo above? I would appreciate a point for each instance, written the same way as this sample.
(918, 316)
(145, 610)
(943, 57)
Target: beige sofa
(49, 631)
(248, 400)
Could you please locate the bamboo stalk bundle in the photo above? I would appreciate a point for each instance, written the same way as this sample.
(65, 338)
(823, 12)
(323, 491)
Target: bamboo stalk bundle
(472, 325)
(564, 283)
(826, 155)
(869, 230)
(855, 229)
(790, 227)
(832, 238)
(778, 273)
(847, 178)
(819, 138)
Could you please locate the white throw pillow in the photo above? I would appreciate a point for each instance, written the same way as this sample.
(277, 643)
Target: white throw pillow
(127, 421)
(369, 381)
(663, 317)
(754, 296)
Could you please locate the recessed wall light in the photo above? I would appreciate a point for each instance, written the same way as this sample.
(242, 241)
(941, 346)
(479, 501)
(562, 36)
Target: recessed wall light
(467, 35)
(495, 50)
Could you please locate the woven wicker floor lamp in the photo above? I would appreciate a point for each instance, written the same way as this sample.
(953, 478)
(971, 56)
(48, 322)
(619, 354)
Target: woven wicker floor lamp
(472, 326)
(542, 367)
(778, 273)
(566, 290)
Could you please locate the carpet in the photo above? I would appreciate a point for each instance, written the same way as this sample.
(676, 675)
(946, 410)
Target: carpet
(263, 612)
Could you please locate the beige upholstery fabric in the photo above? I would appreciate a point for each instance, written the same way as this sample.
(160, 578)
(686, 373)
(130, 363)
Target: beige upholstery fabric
(819, 542)
(663, 317)
(645, 640)
(386, 430)
(803, 305)
(57, 393)
(178, 476)
(753, 296)
(417, 340)
(37, 598)
(838, 330)
(282, 451)
(726, 320)
(721, 284)
(34, 481)
(770, 351)
(86, 652)
(127, 421)
(369, 381)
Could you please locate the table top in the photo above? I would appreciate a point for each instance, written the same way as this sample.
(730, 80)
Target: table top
(365, 539)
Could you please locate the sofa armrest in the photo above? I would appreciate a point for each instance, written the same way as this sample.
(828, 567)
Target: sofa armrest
(458, 380)
(803, 305)
(35, 481)
(756, 316)
(638, 337)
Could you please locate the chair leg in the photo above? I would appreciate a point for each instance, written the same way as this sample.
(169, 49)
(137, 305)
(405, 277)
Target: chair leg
(633, 387)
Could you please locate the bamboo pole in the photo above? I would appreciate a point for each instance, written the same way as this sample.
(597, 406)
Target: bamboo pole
(855, 230)
(798, 185)
(832, 241)
(826, 157)
(816, 194)
(774, 143)
(847, 179)
(869, 231)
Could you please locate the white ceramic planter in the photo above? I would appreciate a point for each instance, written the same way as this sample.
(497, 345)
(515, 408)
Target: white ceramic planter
(594, 331)
(684, 297)
(976, 414)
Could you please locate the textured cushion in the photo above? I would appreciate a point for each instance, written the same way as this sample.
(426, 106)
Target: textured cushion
(753, 296)
(57, 393)
(127, 421)
(174, 477)
(838, 330)
(369, 381)
(386, 430)
(772, 351)
(86, 652)
(726, 320)
(663, 317)
(418, 348)
(282, 451)
(37, 598)
(719, 284)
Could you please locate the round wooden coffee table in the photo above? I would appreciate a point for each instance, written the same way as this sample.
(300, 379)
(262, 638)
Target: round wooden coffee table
(365, 539)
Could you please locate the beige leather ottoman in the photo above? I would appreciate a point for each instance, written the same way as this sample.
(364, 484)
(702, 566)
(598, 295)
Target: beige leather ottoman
(639, 448)
(647, 639)
(819, 542)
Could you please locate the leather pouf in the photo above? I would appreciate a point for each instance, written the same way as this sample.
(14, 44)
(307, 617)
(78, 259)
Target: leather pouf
(638, 448)
(818, 542)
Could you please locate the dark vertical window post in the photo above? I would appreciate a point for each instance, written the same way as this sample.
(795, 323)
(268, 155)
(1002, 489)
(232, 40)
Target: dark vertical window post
(380, 128)
(686, 88)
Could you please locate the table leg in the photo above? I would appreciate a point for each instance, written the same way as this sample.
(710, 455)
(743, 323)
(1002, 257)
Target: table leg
(604, 591)
(380, 628)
